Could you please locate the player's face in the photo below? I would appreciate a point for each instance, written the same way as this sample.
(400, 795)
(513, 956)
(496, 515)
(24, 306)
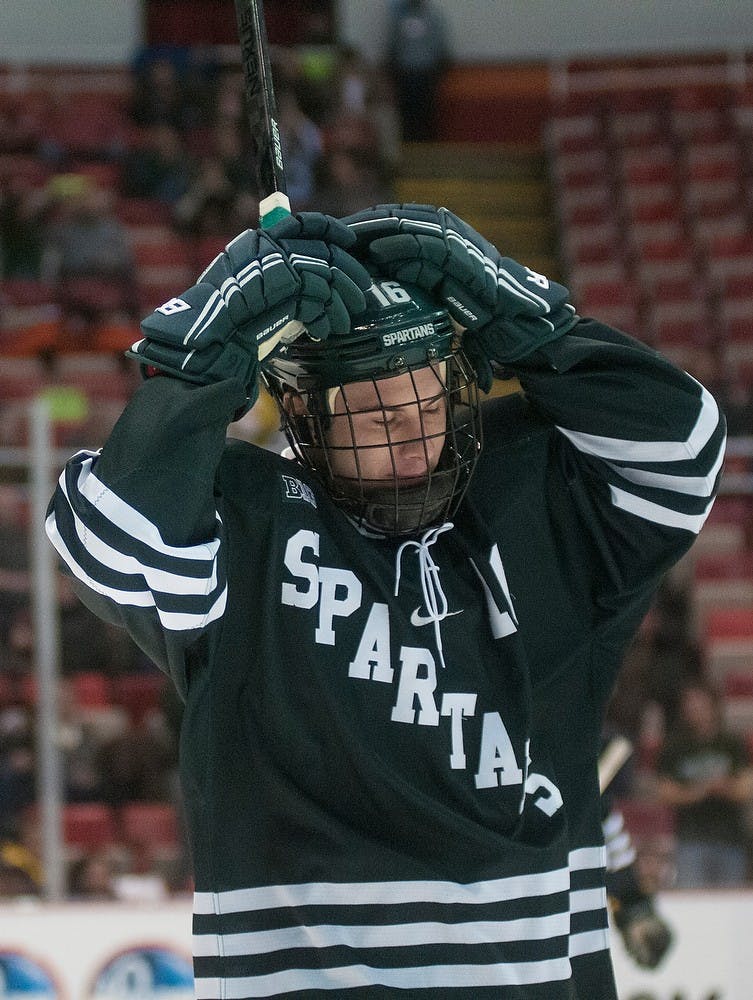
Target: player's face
(389, 431)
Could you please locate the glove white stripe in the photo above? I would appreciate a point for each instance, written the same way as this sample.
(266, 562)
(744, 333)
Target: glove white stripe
(473, 251)
(252, 270)
(532, 296)
(229, 287)
(219, 306)
(200, 318)
(187, 359)
(296, 258)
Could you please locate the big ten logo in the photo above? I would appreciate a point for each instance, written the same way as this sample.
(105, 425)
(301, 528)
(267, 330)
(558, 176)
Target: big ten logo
(23, 978)
(145, 974)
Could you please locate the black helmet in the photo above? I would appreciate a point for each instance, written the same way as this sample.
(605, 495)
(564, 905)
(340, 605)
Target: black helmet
(402, 331)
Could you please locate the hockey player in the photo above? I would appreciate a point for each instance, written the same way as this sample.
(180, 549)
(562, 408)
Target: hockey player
(396, 645)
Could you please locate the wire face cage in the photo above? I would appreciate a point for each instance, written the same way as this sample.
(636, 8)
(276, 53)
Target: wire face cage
(396, 452)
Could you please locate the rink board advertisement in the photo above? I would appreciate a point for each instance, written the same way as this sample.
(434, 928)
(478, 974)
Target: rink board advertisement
(82, 951)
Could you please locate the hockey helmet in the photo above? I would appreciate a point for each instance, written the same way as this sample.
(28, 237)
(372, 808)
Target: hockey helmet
(402, 331)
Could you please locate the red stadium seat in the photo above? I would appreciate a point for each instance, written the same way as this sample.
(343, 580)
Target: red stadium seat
(149, 823)
(91, 690)
(138, 694)
(89, 825)
(739, 684)
(151, 833)
(730, 623)
(646, 819)
(724, 567)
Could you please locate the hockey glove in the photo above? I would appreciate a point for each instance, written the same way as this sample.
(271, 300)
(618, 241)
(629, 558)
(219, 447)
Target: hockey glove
(508, 309)
(264, 289)
(646, 936)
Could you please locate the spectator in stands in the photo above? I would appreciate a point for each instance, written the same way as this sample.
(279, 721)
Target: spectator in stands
(207, 207)
(302, 146)
(17, 773)
(162, 95)
(229, 102)
(23, 208)
(235, 155)
(14, 556)
(87, 257)
(417, 56)
(348, 180)
(80, 745)
(158, 167)
(137, 765)
(705, 774)
(92, 877)
(661, 660)
(19, 125)
(15, 882)
(89, 644)
(21, 872)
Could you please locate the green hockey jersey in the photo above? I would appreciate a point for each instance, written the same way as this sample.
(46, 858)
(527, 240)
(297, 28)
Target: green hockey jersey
(389, 747)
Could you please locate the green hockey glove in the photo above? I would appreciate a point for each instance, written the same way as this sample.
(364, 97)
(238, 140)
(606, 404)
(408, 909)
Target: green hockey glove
(265, 288)
(507, 309)
(646, 936)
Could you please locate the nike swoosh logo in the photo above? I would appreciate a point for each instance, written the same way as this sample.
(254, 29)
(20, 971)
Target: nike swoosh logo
(417, 619)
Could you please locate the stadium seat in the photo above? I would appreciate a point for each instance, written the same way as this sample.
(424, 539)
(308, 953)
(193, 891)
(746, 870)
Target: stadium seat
(730, 623)
(143, 211)
(736, 565)
(89, 825)
(573, 171)
(646, 819)
(149, 823)
(739, 685)
(575, 133)
(94, 125)
(91, 690)
(163, 247)
(138, 694)
(681, 321)
(636, 127)
(648, 171)
(150, 831)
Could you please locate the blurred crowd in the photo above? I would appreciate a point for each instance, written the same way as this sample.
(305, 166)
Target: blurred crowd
(175, 149)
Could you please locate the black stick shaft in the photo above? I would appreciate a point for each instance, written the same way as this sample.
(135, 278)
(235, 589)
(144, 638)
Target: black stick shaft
(262, 112)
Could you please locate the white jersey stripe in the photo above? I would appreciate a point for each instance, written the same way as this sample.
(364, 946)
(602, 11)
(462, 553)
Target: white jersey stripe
(587, 942)
(583, 858)
(138, 598)
(697, 486)
(129, 520)
(619, 449)
(584, 900)
(157, 579)
(173, 621)
(378, 936)
(382, 893)
(361, 976)
(182, 621)
(656, 513)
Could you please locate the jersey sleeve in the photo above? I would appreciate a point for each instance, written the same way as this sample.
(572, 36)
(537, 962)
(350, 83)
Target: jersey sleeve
(640, 447)
(137, 526)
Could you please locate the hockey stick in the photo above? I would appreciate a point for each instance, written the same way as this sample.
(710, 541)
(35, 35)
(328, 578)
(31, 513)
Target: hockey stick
(261, 109)
(613, 756)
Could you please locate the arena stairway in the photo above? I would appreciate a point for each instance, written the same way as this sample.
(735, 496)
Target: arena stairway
(501, 189)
